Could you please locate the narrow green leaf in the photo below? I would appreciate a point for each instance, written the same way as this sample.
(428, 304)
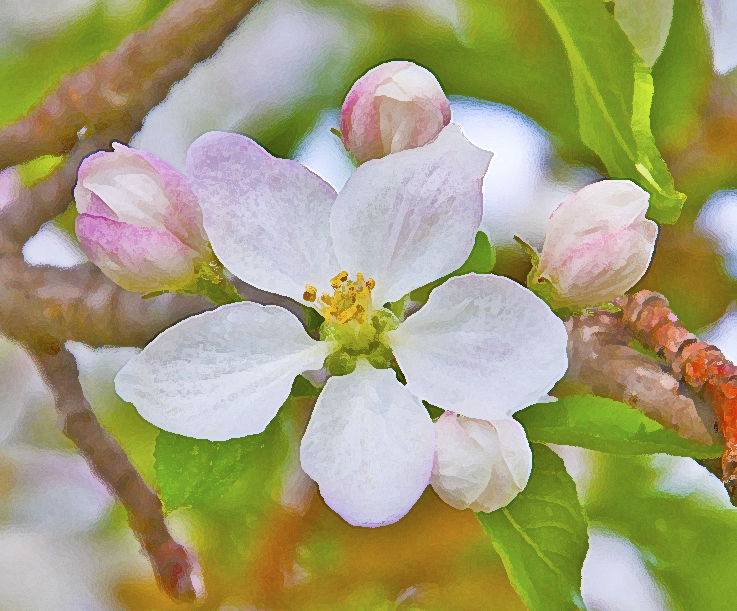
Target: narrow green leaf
(480, 261)
(542, 536)
(606, 425)
(613, 90)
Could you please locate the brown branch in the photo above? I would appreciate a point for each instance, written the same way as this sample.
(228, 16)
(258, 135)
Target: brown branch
(121, 87)
(600, 359)
(42, 305)
(22, 216)
(107, 460)
(703, 368)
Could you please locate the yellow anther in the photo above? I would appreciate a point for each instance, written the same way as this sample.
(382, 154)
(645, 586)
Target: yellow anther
(310, 293)
(347, 315)
(359, 278)
(339, 279)
(370, 284)
(326, 299)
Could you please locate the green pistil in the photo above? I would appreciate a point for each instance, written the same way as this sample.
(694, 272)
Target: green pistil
(359, 340)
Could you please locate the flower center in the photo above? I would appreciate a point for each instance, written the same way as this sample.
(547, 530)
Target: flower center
(351, 300)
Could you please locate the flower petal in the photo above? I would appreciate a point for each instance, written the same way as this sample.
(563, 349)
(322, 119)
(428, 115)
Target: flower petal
(483, 346)
(512, 465)
(267, 218)
(463, 464)
(140, 189)
(411, 217)
(137, 258)
(369, 445)
(221, 374)
(599, 209)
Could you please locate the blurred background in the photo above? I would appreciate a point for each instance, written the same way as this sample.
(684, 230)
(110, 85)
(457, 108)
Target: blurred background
(663, 533)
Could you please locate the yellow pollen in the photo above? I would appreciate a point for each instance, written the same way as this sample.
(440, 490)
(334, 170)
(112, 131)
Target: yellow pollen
(310, 293)
(339, 279)
(350, 300)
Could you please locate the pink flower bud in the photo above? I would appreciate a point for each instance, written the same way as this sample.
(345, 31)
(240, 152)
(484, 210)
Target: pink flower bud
(139, 222)
(478, 464)
(598, 243)
(393, 107)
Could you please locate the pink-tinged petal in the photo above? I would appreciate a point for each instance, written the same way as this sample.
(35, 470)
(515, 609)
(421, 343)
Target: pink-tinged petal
(598, 243)
(267, 218)
(136, 258)
(220, 374)
(411, 218)
(130, 186)
(184, 218)
(483, 346)
(602, 270)
(393, 107)
(369, 446)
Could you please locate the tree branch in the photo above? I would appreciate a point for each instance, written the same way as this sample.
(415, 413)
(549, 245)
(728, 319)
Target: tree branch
(703, 368)
(121, 87)
(107, 460)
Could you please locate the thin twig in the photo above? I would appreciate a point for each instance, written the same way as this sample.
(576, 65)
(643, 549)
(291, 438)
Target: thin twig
(107, 460)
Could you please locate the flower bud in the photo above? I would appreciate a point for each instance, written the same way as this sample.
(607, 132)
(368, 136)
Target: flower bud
(478, 464)
(393, 107)
(139, 222)
(598, 244)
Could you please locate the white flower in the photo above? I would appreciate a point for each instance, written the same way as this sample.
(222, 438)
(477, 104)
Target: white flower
(400, 222)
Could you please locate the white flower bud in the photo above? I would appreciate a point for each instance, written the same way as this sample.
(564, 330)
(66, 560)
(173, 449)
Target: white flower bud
(598, 243)
(393, 107)
(478, 464)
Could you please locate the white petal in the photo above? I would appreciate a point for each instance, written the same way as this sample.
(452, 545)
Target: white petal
(602, 208)
(369, 445)
(221, 374)
(483, 346)
(267, 218)
(411, 217)
(462, 468)
(511, 467)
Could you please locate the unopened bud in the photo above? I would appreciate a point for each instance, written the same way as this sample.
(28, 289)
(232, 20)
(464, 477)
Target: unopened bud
(139, 222)
(393, 107)
(478, 464)
(598, 244)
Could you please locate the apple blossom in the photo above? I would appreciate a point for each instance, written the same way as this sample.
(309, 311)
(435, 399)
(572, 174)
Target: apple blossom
(393, 107)
(598, 244)
(479, 464)
(139, 222)
(399, 223)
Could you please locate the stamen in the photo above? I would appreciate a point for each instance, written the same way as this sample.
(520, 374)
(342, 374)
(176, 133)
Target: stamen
(348, 314)
(339, 279)
(326, 299)
(370, 284)
(310, 293)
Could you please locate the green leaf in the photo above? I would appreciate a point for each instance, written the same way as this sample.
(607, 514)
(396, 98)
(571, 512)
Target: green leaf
(614, 90)
(480, 261)
(542, 536)
(194, 472)
(606, 425)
